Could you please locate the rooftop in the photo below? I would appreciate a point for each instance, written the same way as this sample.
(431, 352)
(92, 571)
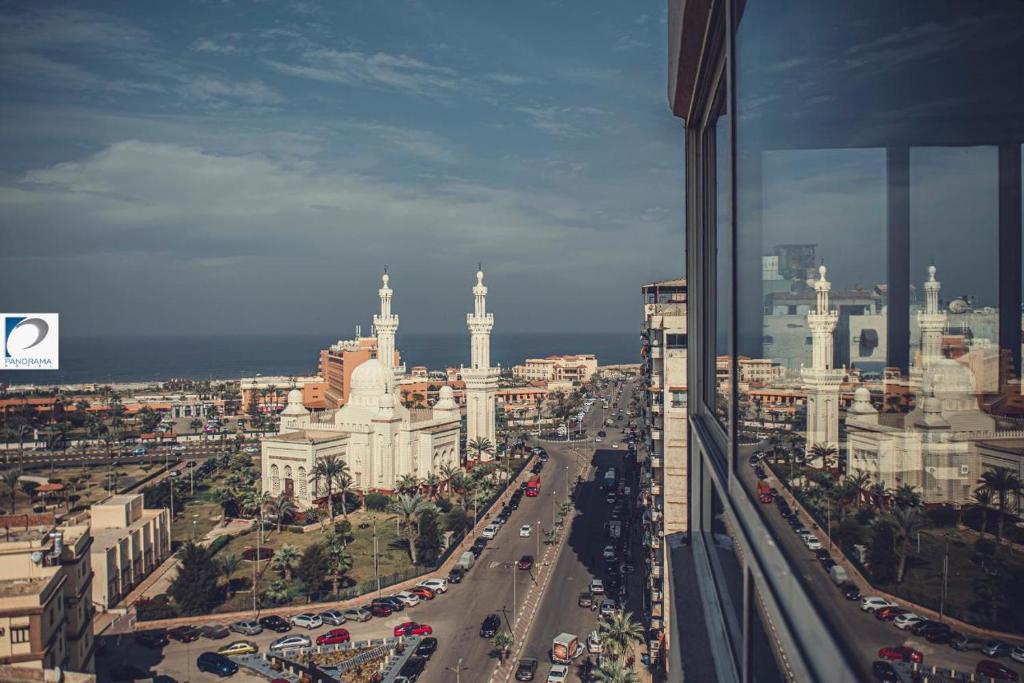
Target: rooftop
(308, 436)
(12, 588)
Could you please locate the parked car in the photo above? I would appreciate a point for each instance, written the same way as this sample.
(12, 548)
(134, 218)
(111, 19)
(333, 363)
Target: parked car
(391, 601)
(288, 642)
(926, 626)
(939, 637)
(408, 599)
(907, 620)
(239, 647)
(490, 625)
(456, 574)
(411, 628)
(901, 653)
(216, 664)
(422, 592)
(884, 672)
(490, 531)
(307, 620)
(333, 637)
(247, 627)
(526, 669)
(214, 631)
(357, 614)
(478, 546)
(889, 613)
(999, 672)
(334, 617)
(870, 603)
(964, 643)
(585, 599)
(155, 639)
(412, 668)
(426, 648)
(525, 562)
(996, 648)
(379, 609)
(436, 585)
(185, 634)
(1017, 653)
(850, 591)
(275, 623)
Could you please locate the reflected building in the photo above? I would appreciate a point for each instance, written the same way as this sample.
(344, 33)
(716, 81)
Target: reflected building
(822, 380)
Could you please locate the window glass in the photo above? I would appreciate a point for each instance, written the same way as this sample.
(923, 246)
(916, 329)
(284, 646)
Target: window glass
(723, 272)
(878, 286)
(727, 570)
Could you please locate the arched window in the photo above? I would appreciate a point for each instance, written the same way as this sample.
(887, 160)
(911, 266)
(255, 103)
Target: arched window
(275, 479)
(303, 481)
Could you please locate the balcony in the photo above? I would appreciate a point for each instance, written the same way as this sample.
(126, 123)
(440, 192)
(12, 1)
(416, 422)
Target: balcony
(656, 407)
(656, 463)
(655, 489)
(656, 435)
(656, 571)
(655, 541)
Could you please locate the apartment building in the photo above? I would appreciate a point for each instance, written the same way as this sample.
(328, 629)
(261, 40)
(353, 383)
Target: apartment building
(663, 475)
(270, 394)
(824, 125)
(129, 542)
(577, 368)
(46, 607)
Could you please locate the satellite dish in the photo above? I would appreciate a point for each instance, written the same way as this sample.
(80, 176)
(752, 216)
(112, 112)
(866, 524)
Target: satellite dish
(37, 557)
(958, 306)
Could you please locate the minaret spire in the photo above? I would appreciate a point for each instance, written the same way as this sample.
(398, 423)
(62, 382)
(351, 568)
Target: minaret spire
(386, 324)
(931, 321)
(481, 379)
(822, 381)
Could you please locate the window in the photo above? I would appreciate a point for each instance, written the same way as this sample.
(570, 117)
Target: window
(722, 330)
(678, 399)
(20, 634)
(676, 341)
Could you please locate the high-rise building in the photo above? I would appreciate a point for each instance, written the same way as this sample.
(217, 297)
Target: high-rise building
(481, 379)
(663, 475)
(879, 138)
(46, 605)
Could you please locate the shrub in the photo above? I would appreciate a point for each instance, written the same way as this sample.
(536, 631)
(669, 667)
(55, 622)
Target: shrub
(376, 501)
(943, 516)
(219, 543)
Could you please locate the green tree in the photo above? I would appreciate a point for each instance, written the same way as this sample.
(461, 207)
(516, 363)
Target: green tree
(1002, 483)
(327, 470)
(615, 671)
(227, 565)
(313, 567)
(448, 472)
(618, 632)
(407, 484)
(343, 483)
(339, 561)
(982, 498)
(277, 592)
(196, 588)
(479, 447)
(195, 425)
(503, 643)
(429, 542)
(408, 508)
(905, 523)
(824, 452)
(376, 501)
(282, 508)
(906, 496)
(284, 560)
(882, 554)
(457, 520)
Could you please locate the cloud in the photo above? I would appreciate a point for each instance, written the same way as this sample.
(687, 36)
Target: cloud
(211, 89)
(210, 46)
(418, 143)
(559, 121)
(392, 71)
(629, 42)
(510, 79)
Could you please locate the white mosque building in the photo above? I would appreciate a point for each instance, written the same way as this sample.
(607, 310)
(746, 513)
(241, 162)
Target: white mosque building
(380, 439)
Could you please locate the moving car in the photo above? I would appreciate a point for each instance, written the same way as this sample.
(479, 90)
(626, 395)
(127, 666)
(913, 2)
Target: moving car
(901, 653)
(490, 625)
(308, 620)
(334, 617)
(185, 634)
(597, 587)
(526, 669)
(608, 608)
(357, 614)
(524, 531)
(239, 647)
(594, 646)
(558, 674)
(247, 627)
(288, 642)
(585, 599)
(275, 623)
(333, 637)
(999, 672)
(216, 664)
(426, 648)
(411, 628)
(870, 603)
(525, 562)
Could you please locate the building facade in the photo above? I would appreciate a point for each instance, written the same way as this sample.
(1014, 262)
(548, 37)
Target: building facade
(46, 609)
(837, 147)
(576, 368)
(129, 542)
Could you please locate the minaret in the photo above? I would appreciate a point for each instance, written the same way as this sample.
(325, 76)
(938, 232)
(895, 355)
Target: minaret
(480, 378)
(386, 325)
(821, 380)
(931, 321)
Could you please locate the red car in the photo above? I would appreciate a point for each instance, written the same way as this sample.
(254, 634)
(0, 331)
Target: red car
(422, 591)
(525, 562)
(379, 610)
(889, 613)
(333, 637)
(901, 653)
(411, 628)
(999, 672)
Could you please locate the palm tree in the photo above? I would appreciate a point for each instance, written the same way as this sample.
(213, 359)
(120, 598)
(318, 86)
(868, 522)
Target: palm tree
(408, 508)
(983, 498)
(480, 447)
(195, 425)
(823, 451)
(432, 482)
(339, 560)
(618, 632)
(503, 643)
(343, 482)
(878, 494)
(284, 560)
(10, 478)
(905, 496)
(860, 483)
(615, 671)
(255, 501)
(227, 565)
(282, 507)
(448, 472)
(1000, 482)
(327, 469)
(905, 523)
(407, 484)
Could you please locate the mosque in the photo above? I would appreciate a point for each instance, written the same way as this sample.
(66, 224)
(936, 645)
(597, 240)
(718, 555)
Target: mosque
(380, 439)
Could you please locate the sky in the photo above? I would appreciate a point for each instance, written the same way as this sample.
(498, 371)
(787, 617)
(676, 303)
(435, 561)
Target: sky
(225, 167)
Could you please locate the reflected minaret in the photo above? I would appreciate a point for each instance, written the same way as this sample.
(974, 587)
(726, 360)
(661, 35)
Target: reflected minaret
(822, 381)
(931, 321)
(480, 378)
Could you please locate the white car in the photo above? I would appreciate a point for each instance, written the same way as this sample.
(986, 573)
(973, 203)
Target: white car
(179, 447)
(594, 643)
(490, 531)
(524, 531)
(408, 599)
(307, 620)
(812, 542)
(559, 674)
(288, 642)
(871, 603)
(609, 552)
(597, 587)
(436, 585)
(905, 621)
(1017, 653)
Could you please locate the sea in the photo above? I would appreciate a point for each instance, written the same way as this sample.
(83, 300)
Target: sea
(160, 358)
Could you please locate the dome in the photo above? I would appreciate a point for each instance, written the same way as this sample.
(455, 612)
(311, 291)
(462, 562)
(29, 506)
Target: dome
(862, 402)
(294, 407)
(370, 378)
(386, 401)
(446, 399)
(446, 392)
(862, 394)
(944, 376)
